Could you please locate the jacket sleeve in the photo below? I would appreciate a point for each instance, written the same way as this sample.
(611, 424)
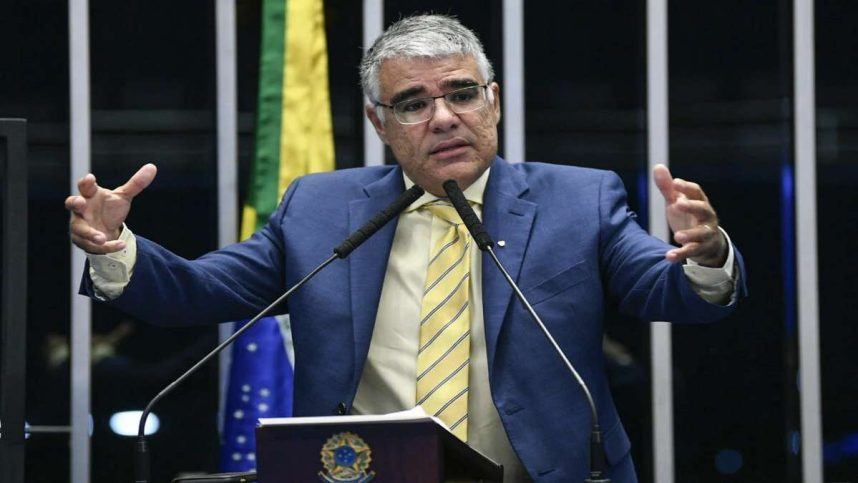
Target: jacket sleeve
(229, 284)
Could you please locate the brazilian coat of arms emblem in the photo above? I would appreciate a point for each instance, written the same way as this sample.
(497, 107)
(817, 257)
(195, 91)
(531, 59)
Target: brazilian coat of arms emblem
(346, 458)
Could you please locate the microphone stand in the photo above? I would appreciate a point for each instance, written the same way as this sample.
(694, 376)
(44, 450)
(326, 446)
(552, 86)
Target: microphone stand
(141, 454)
(142, 467)
(485, 243)
(597, 450)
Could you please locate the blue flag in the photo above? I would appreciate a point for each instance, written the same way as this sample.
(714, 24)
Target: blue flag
(260, 386)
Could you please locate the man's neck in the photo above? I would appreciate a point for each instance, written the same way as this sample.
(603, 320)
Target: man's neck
(473, 193)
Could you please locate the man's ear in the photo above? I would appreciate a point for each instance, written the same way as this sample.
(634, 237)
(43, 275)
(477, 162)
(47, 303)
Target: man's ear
(494, 89)
(372, 115)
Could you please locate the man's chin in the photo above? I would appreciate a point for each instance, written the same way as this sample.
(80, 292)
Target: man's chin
(463, 173)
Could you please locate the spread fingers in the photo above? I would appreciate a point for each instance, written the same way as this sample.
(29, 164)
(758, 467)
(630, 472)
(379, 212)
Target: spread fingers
(75, 204)
(689, 250)
(78, 227)
(689, 189)
(87, 186)
(700, 233)
(701, 210)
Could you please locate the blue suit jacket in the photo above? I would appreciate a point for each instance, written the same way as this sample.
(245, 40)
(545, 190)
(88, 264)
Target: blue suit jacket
(571, 243)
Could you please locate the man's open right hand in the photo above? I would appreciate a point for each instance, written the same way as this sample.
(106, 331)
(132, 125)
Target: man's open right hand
(97, 214)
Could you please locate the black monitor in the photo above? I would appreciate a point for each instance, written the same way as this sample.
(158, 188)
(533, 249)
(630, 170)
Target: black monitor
(13, 296)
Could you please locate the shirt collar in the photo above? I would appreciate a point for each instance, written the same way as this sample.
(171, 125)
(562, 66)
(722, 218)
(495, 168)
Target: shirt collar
(473, 193)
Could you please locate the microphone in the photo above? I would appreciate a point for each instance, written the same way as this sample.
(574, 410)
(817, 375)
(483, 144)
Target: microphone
(485, 243)
(142, 470)
(370, 227)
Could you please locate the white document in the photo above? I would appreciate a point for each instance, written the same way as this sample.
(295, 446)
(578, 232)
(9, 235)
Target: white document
(414, 414)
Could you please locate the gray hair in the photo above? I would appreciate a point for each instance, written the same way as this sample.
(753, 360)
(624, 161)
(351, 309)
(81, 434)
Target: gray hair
(428, 36)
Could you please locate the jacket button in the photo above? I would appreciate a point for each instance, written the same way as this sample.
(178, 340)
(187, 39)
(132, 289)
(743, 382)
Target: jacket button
(341, 409)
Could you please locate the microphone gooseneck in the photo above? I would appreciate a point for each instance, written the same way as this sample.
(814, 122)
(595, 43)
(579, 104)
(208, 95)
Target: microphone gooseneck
(472, 221)
(485, 243)
(373, 225)
(142, 472)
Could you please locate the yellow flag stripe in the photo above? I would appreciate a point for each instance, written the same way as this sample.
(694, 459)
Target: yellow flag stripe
(306, 132)
(248, 221)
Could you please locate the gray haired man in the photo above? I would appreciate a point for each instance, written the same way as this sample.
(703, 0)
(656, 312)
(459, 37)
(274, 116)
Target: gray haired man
(363, 331)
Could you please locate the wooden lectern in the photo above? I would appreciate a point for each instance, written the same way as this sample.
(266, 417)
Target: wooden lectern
(407, 447)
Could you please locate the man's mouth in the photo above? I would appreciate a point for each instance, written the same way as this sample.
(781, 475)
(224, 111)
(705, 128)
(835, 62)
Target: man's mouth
(450, 148)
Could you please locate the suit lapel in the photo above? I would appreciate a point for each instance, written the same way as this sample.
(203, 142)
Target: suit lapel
(368, 263)
(506, 217)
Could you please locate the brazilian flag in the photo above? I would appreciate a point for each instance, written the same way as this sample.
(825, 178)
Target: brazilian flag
(294, 137)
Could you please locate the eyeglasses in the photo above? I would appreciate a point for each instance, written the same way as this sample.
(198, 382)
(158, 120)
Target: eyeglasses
(421, 109)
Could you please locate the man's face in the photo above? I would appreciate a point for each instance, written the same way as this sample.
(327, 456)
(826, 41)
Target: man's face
(448, 145)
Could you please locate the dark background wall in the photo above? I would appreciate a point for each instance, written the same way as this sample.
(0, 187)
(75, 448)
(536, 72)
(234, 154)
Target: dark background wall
(736, 387)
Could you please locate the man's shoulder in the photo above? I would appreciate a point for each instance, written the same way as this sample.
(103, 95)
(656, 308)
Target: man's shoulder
(345, 179)
(559, 176)
(318, 192)
(537, 168)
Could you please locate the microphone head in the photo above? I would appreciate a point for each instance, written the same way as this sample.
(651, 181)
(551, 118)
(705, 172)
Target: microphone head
(471, 220)
(413, 193)
(449, 185)
(370, 227)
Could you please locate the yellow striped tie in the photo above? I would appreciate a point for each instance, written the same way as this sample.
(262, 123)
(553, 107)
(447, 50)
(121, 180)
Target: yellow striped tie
(445, 325)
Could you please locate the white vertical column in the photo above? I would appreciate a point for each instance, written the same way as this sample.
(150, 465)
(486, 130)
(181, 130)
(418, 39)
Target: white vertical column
(227, 155)
(806, 225)
(373, 25)
(79, 125)
(660, 332)
(512, 92)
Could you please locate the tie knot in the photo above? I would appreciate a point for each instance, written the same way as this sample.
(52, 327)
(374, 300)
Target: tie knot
(444, 210)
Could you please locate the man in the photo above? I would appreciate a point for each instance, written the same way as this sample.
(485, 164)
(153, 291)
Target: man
(419, 303)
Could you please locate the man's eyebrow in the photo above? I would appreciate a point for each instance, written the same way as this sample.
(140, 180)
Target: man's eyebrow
(410, 92)
(459, 83)
(450, 84)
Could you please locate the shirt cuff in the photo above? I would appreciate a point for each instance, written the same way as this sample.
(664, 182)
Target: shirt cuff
(714, 284)
(110, 273)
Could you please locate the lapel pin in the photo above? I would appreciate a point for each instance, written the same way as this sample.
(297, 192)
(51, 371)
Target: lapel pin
(501, 243)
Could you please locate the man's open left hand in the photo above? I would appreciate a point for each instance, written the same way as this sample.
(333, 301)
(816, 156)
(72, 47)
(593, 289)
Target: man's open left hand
(692, 220)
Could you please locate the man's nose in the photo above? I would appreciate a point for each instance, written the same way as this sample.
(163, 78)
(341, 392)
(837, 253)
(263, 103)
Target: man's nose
(443, 118)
